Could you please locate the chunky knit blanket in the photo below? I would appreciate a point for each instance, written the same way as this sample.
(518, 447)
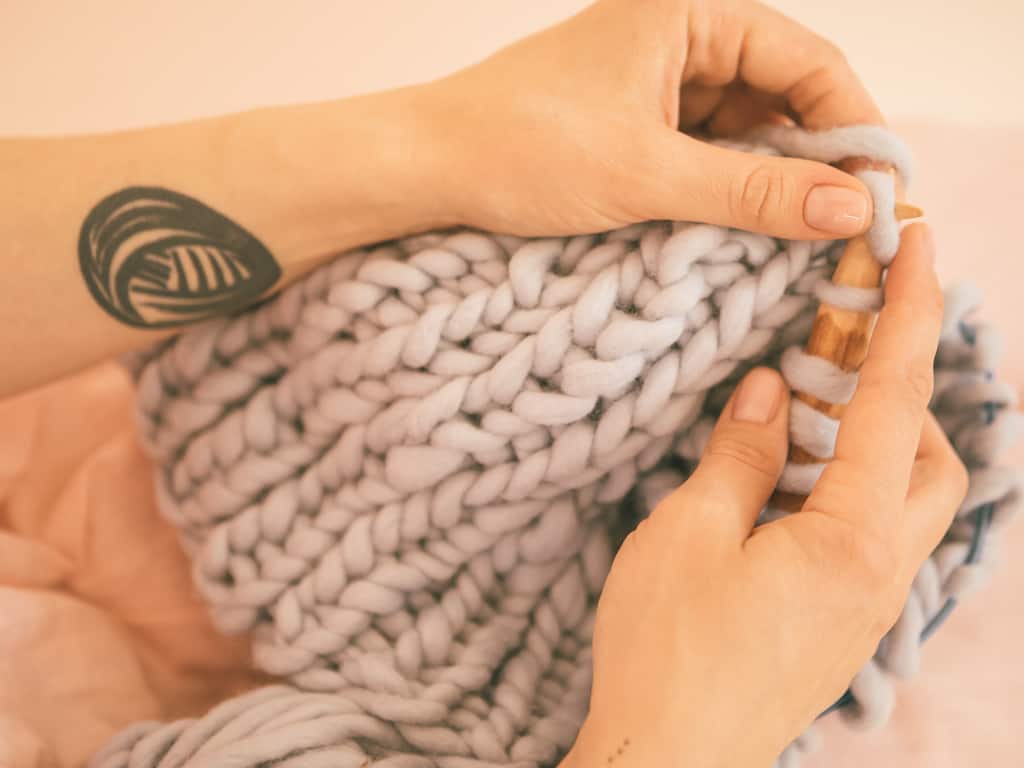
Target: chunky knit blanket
(407, 473)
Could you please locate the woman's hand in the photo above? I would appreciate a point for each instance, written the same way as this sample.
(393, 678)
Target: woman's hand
(721, 643)
(576, 129)
(573, 130)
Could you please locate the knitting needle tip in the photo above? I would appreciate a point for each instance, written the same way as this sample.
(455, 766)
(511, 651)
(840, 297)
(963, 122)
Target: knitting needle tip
(908, 211)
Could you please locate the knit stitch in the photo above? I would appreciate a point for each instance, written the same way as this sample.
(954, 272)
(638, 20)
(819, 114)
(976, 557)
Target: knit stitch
(407, 473)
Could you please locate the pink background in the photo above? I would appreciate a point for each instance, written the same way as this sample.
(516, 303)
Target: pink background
(98, 66)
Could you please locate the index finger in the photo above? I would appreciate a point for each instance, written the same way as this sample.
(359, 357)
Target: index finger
(779, 56)
(881, 427)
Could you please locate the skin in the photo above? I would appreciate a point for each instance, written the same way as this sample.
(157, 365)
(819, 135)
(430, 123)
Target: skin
(691, 650)
(502, 146)
(680, 669)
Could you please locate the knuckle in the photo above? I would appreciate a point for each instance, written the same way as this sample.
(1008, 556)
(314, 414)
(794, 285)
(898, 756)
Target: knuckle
(872, 382)
(919, 381)
(848, 485)
(759, 195)
(876, 566)
(908, 386)
(745, 451)
(862, 569)
(869, 560)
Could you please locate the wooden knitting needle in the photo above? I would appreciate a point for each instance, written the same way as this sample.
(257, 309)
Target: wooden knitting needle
(842, 335)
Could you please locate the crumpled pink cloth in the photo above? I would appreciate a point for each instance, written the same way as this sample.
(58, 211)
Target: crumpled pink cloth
(99, 624)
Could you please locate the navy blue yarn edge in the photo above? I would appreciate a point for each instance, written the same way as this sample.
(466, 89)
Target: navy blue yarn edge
(982, 518)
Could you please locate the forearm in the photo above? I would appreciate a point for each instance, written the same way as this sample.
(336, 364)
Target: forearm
(287, 186)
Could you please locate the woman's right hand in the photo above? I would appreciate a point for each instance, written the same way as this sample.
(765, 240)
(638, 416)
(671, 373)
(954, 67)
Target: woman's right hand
(580, 127)
(717, 643)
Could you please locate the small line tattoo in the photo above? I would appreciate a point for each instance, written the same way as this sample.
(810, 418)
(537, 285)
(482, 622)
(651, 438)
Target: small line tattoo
(619, 750)
(153, 258)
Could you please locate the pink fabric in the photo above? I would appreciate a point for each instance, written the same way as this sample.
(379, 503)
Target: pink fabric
(99, 625)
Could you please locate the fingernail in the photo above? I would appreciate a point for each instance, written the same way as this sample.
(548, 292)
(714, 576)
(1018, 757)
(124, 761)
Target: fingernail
(838, 210)
(758, 398)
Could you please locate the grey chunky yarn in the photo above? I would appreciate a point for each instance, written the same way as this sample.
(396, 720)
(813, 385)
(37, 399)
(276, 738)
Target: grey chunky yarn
(407, 474)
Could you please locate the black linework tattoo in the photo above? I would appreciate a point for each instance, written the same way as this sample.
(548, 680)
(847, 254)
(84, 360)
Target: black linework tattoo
(154, 258)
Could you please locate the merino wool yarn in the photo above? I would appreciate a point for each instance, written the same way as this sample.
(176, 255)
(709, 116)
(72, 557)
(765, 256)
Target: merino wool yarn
(407, 473)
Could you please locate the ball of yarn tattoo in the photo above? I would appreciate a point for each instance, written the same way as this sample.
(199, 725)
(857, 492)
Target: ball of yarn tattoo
(407, 475)
(155, 258)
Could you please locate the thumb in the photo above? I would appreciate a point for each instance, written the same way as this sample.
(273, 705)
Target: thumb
(781, 197)
(744, 456)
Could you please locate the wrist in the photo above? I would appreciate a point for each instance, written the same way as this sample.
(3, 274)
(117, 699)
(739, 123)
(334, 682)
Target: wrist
(322, 178)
